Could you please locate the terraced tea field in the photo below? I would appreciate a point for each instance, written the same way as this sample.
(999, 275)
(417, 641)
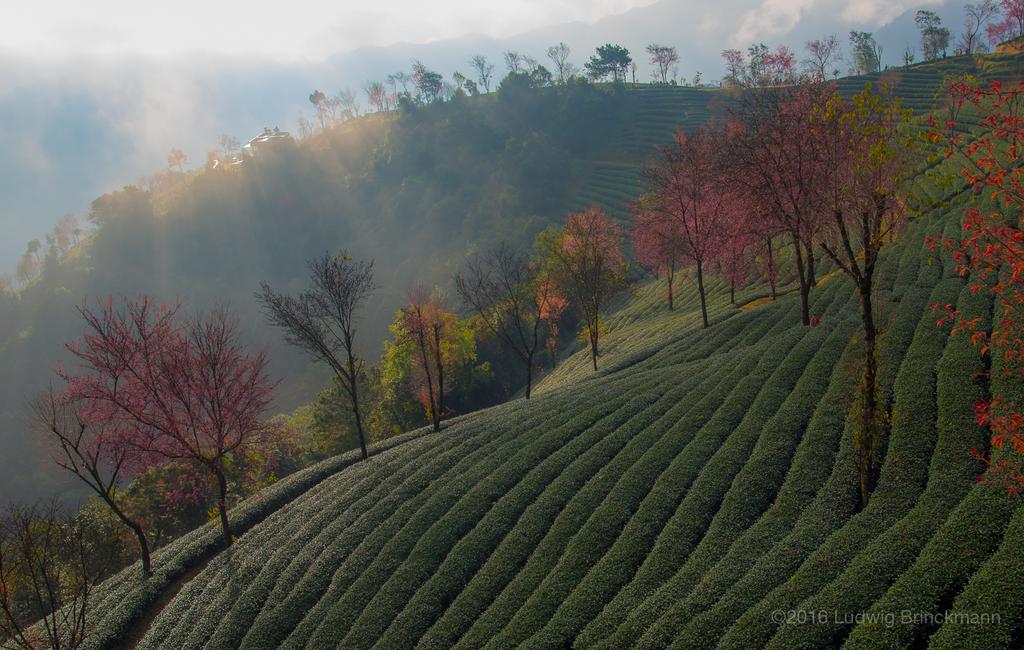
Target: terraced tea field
(699, 491)
(657, 111)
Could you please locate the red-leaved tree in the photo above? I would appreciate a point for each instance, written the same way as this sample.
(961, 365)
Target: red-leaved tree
(733, 256)
(553, 305)
(659, 244)
(585, 260)
(185, 391)
(689, 199)
(991, 252)
(773, 160)
(1012, 24)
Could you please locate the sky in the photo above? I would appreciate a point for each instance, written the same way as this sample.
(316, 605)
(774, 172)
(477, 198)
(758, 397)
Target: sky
(296, 30)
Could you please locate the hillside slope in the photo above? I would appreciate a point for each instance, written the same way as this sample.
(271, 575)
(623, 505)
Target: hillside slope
(417, 192)
(699, 484)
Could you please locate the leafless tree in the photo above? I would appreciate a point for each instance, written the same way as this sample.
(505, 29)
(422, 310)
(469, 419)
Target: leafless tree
(402, 79)
(103, 459)
(323, 320)
(484, 71)
(376, 95)
(348, 105)
(978, 15)
(663, 57)
(228, 145)
(513, 60)
(49, 568)
(822, 55)
(501, 287)
(177, 158)
(559, 55)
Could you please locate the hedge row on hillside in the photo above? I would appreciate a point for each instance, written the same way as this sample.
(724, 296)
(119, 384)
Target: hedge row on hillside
(124, 598)
(812, 464)
(730, 437)
(314, 499)
(951, 475)
(405, 612)
(997, 587)
(483, 578)
(241, 585)
(474, 489)
(305, 590)
(228, 580)
(680, 473)
(602, 530)
(971, 532)
(308, 573)
(903, 477)
(750, 493)
(831, 507)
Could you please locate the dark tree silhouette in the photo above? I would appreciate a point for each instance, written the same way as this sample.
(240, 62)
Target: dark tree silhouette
(323, 320)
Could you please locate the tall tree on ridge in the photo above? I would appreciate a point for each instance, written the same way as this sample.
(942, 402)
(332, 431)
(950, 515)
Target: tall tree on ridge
(823, 54)
(559, 55)
(979, 15)
(663, 57)
(867, 53)
(934, 37)
(611, 60)
(484, 71)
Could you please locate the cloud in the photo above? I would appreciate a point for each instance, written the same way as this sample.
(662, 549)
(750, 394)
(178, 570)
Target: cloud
(305, 29)
(771, 18)
(879, 12)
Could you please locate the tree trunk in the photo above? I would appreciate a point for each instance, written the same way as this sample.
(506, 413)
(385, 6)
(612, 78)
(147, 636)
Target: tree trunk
(732, 292)
(671, 278)
(529, 373)
(359, 426)
(869, 393)
(700, 290)
(140, 535)
(435, 417)
(805, 309)
(354, 394)
(810, 264)
(593, 346)
(440, 379)
(222, 505)
(771, 266)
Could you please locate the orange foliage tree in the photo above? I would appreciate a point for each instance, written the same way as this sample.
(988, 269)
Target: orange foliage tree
(991, 250)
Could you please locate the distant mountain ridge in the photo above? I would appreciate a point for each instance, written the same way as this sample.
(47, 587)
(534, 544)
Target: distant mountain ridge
(73, 130)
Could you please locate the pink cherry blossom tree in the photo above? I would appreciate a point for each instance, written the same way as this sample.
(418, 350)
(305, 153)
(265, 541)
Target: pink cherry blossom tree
(177, 391)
